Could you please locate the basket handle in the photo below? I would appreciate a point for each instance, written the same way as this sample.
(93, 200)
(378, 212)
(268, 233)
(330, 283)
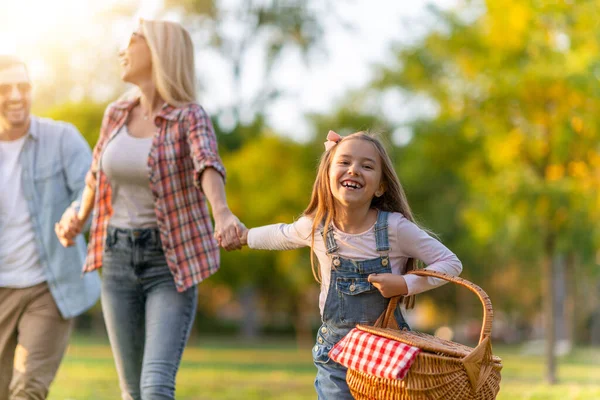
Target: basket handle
(386, 320)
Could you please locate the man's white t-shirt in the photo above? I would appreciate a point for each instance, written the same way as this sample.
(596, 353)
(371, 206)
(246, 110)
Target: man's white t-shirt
(19, 259)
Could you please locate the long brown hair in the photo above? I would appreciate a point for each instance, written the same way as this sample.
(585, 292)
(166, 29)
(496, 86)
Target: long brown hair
(321, 206)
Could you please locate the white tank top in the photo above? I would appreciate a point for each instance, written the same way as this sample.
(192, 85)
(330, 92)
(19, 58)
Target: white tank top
(125, 163)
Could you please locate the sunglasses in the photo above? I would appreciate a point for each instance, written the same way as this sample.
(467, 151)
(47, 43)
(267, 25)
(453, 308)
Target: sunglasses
(7, 88)
(136, 36)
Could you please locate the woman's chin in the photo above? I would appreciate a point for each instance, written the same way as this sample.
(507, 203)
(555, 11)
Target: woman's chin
(125, 77)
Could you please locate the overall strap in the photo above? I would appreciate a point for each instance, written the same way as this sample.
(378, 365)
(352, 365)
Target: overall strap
(330, 243)
(381, 232)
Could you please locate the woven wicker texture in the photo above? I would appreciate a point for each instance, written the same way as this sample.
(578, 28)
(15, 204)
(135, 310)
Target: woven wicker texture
(443, 369)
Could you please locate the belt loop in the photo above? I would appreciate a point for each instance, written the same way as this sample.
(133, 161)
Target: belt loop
(110, 235)
(156, 237)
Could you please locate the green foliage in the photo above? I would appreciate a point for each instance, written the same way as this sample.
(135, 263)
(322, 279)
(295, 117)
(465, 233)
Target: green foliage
(511, 157)
(260, 30)
(202, 7)
(233, 139)
(269, 181)
(85, 115)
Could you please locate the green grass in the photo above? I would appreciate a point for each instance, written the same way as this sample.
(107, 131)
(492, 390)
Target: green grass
(231, 370)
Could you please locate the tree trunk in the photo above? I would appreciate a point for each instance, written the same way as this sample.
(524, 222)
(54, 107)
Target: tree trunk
(569, 315)
(249, 301)
(595, 323)
(549, 314)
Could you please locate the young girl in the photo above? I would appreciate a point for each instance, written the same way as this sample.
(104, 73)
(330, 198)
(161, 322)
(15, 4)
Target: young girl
(361, 229)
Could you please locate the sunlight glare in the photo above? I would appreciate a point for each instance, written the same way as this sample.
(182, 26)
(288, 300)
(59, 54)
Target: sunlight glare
(28, 23)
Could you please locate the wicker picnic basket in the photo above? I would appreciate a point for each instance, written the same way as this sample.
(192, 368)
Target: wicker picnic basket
(443, 369)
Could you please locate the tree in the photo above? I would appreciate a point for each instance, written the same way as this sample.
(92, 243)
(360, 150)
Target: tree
(515, 85)
(269, 181)
(85, 115)
(247, 36)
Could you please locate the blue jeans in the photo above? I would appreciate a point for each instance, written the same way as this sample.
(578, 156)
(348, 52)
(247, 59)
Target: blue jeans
(147, 320)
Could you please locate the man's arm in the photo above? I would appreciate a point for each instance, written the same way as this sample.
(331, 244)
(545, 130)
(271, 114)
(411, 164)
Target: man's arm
(76, 158)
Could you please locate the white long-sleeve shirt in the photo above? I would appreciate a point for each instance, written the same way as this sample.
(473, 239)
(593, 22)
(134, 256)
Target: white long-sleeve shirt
(406, 240)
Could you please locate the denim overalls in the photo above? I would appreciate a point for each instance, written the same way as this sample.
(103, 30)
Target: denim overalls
(351, 299)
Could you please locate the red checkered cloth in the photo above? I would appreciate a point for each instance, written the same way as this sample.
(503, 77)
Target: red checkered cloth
(375, 355)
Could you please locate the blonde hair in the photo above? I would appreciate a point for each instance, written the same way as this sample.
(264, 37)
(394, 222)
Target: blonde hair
(172, 53)
(321, 206)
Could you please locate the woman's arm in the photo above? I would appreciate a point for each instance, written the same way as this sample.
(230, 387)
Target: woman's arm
(228, 227)
(210, 175)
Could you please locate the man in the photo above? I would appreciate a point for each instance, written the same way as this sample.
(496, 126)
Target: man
(42, 171)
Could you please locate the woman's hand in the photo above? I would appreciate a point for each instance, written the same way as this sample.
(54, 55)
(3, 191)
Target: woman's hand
(68, 227)
(389, 285)
(90, 179)
(229, 230)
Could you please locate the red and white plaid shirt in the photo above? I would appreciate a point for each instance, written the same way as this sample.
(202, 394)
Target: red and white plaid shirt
(183, 148)
(374, 355)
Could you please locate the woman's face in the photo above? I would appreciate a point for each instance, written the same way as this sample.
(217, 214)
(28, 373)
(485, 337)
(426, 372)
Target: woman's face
(136, 59)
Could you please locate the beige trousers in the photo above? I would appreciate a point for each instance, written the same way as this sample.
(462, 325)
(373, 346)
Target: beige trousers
(33, 340)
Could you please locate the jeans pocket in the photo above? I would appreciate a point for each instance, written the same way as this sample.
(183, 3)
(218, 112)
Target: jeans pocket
(116, 242)
(108, 241)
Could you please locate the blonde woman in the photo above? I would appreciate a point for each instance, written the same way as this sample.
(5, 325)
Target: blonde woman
(154, 168)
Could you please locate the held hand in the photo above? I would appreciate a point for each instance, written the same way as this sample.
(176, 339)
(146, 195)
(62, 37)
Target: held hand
(228, 230)
(243, 235)
(68, 228)
(90, 180)
(61, 236)
(389, 285)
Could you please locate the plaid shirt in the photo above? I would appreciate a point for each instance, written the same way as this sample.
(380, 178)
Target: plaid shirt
(184, 146)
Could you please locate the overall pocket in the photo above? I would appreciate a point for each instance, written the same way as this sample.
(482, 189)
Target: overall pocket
(360, 301)
(326, 339)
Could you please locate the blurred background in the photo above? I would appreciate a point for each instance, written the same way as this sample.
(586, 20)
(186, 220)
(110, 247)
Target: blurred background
(489, 109)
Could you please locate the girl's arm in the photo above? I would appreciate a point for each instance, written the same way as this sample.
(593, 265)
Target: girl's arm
(418, 244)
(279, 236)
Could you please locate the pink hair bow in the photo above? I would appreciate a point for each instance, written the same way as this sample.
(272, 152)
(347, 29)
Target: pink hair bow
(332, 139)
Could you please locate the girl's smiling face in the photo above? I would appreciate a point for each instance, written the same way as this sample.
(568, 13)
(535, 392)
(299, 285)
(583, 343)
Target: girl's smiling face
(355, 174)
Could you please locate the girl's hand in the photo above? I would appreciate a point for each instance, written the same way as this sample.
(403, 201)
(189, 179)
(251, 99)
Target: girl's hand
(389, 285)
(243, 234)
